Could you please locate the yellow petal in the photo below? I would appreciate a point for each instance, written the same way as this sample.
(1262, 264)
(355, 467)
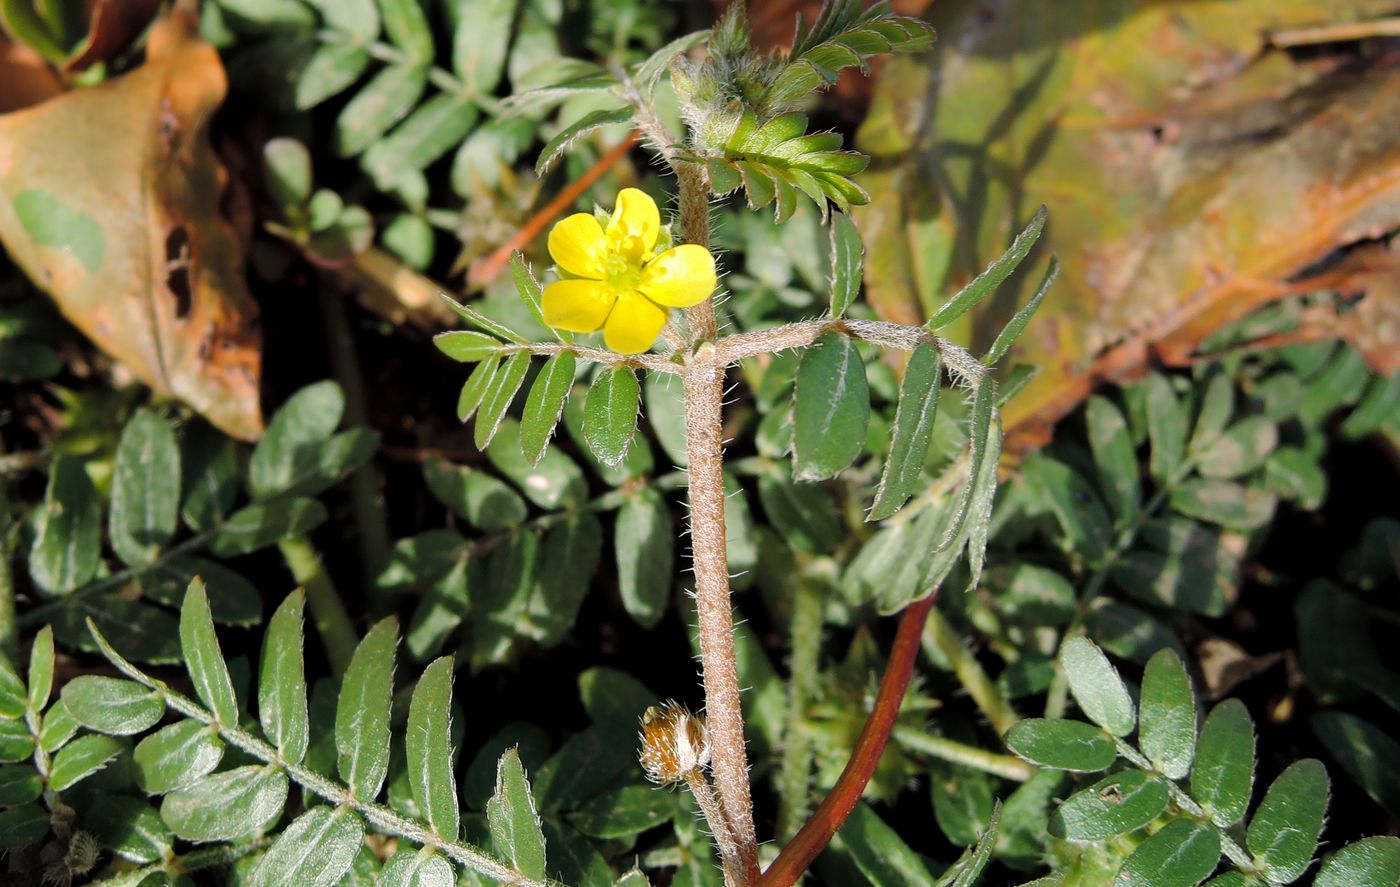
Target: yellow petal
(680, 277)
(579, 306)
(578, 246)
(635, 225)
(634, 324)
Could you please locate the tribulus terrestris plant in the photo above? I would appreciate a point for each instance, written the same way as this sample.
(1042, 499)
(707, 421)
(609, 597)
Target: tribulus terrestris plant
(637, 291)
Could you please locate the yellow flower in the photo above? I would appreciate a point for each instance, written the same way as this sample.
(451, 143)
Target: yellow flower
(616, 281)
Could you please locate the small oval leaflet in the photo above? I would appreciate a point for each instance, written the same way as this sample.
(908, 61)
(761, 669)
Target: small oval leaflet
(610, 414)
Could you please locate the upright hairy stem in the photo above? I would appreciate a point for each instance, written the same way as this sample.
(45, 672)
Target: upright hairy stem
(704, 391)
(704, 407)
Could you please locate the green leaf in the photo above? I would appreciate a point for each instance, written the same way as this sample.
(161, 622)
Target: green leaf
(644, 541)
(416, 867)
(480, 41)
(1241, 449)
(831, 408)
(561, 141)
(985, 283)
(1017, 325)
(429, 748)
(25, 824)
(1096, 686)
(407, 26)
(288, 167)
(1225, 503)
(1064, 745)
(545, 404)
(530, 292)
(913, 431)
(1223, 777)
(1113, 806)
(226, 806)
(176, 755)
(846, 254)
(514, 824)
(1166, 427)
(210, 463)
(1056, 488)
(482, 500)
(1115, 457)
(624, 812)
(1365, 752)
(132, 828)
(112, 705)
(40, 674)
(16, 741)
(1217, 405)
(467, 346)
(1284, 830)
(475, 388)
(362, 712)
(984, 419)
(435, 127)
(14, 698)
(1372, 861)
(290, 448)
(329, 71)
(282, 681)
(554, 482)
(879, 852)
(1182, 854)
(80, 759)
(19, 785)
(1167, 734)
(968, 868)
(1189, 581)
(484, 323)
(1293, 473)
(568, 558)
(316, 850)
(266, 523)
(232, 599)
(145, 489)
(498, 397)
(381, 103)
(59, 727)
(610, 414)
(203, 658)
(802, 513)
(68, 535)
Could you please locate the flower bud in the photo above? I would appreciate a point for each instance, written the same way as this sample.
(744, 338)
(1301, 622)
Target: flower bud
(673, 743)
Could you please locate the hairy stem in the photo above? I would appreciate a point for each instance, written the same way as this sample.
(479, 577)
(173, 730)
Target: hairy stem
(704, 393)
(1005, 766)
(198, 860)
(9, 539)
(941, 636)
(719, 827)
(328, 614)
(694, 206)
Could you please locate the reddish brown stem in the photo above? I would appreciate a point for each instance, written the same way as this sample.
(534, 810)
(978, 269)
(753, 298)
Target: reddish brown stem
(799, 854)
(482, 273)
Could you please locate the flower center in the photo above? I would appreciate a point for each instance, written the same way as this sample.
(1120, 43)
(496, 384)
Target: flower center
(621, 273)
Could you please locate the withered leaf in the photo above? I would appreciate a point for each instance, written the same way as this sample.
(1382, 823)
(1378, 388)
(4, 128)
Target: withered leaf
(109, 200)
(1192, 169)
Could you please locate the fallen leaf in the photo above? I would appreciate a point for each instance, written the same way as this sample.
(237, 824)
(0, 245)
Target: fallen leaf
(112, 25)
(1191, 169)
(109, 200)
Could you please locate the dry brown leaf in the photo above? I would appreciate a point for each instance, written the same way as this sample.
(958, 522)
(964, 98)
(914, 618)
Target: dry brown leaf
(1191, 170)
(109, 200)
